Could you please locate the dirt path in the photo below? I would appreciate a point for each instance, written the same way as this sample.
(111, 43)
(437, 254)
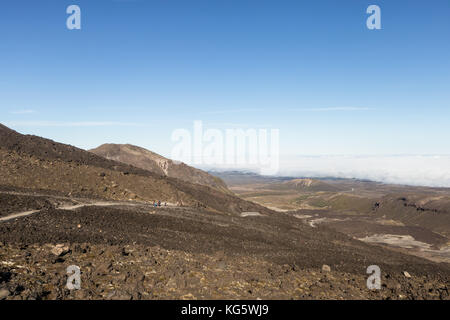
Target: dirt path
(18, 215)
(72, 207)
(74, 203)
(418, 248)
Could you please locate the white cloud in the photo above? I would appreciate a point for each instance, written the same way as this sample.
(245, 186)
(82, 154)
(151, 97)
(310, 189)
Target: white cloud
(333, 109)
(72, 124)
(23, 111)
(326, 109)
(233, 111)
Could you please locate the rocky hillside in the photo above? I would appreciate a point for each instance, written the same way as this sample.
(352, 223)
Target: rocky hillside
(432, 212)
(33, 162)
(148, 160)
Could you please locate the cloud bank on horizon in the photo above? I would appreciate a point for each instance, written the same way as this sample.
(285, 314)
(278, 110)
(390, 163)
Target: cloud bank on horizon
(416, 170)
(422, 170)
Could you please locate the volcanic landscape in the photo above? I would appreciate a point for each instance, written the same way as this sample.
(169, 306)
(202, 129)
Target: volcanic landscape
(214, 236)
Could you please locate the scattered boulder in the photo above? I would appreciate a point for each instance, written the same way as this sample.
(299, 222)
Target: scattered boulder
(221, 266)
(406, 274)
(326, 268)
(4, 293)
(60, 250)
(133, 196)
(104, 268)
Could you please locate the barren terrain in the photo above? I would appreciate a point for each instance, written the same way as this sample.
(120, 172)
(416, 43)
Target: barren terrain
(61, 206)
(414, 220)
(135, 251)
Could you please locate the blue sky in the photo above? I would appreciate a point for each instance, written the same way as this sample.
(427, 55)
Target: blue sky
(137, 70)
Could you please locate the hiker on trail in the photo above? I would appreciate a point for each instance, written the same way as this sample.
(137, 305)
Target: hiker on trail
(159, 203)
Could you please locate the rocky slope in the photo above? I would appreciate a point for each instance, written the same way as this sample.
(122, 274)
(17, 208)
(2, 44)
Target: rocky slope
(33, 162)
(150, 161)
(135, 251)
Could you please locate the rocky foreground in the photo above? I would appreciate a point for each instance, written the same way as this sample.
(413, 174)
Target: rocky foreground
(135, 251)
(140, 272)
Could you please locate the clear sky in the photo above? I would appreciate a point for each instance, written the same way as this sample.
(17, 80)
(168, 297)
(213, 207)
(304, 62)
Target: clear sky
(139, 69)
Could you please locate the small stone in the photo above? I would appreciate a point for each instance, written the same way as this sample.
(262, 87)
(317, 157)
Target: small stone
(221, 266)
(60, 250)
(122, 296)
(188, 296)
(79, 226)
(58, 260)
(80, 294)
(406, 274)
(104, 268)
(4, 293)
(326, 268)
(171, 283)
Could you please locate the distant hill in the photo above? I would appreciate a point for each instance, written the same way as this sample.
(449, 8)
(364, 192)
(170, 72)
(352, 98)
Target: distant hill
(236, 178)
(239, 178)
(31, 162)
(305, 185)
(148, 160)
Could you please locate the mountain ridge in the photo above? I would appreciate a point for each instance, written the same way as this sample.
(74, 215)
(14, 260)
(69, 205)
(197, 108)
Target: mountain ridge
(151, 161)
(29, 161)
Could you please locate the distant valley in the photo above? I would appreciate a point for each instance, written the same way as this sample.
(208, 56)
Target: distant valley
(407, 218)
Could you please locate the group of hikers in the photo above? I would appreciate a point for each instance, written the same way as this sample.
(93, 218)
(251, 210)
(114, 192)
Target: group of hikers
(158, 203)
